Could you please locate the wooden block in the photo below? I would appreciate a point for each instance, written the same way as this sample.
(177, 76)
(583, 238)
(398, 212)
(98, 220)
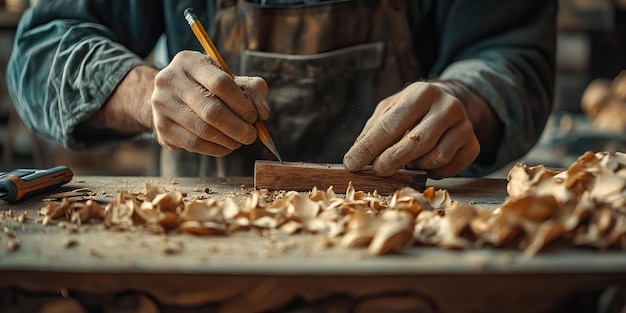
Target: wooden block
(300, 176)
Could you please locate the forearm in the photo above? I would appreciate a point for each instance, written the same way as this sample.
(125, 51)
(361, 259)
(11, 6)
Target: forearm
(128, 110)
(70, 56)
(508, 61)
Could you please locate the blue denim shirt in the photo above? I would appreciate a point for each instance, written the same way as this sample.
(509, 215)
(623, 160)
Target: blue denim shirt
(69, 56)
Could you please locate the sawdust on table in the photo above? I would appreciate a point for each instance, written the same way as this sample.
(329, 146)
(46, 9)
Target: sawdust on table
(581, 206)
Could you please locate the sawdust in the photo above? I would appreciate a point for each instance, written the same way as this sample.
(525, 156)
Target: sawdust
(95, 253)
(582, 206)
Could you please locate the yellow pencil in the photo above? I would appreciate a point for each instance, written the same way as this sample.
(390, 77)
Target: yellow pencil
(209, 48)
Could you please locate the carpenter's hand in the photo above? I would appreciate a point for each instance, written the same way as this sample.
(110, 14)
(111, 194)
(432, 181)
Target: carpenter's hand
(198, 107)
(422, 126)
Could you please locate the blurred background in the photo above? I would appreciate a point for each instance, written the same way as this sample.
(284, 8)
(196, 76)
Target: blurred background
(591, 54)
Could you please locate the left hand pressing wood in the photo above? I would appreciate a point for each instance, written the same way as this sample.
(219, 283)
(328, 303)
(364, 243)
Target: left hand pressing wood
(424, 126)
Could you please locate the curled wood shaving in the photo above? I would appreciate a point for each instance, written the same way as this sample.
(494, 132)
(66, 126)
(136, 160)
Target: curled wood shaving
(9, 232)
(82, 193)
(581, 206)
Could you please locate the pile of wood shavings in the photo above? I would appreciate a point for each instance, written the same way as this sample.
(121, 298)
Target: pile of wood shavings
(582, 206)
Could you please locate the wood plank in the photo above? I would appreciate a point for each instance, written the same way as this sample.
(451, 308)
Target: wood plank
(302, 176)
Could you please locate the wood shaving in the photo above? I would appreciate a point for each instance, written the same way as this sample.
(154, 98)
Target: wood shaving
(581, 206)
(70, 242)
(22, 218)
(13, 245)
(604, 103)
(72, 193)
(9, 232)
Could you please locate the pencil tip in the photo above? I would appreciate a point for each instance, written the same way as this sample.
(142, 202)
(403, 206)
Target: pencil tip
(278, 156)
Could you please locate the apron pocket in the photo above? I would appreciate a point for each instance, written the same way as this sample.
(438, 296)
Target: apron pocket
(319, 102)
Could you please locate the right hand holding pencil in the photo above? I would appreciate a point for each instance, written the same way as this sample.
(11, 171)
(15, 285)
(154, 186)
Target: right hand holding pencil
(198, 107)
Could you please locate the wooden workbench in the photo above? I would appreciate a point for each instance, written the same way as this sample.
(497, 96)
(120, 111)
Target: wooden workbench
(254, 271)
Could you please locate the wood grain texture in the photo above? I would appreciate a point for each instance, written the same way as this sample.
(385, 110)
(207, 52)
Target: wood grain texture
(301, 176)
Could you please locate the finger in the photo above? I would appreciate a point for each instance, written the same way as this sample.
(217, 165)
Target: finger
(177, 137)
(442, 117)
(452, 141)
(255, 88)
(201, 69)
(391, 125)
(213, 111)
(461, 160)
(387, 103)
(167, 106)
(202, 129)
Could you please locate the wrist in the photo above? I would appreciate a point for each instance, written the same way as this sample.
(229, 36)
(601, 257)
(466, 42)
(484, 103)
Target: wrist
(128, 110)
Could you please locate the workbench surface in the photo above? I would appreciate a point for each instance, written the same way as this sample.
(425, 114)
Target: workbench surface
(250, 271)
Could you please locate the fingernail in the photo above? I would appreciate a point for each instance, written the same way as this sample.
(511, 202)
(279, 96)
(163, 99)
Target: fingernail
(383, 169)
(349, 163)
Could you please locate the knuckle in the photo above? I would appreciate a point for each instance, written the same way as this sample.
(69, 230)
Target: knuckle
(219, 82)
(159, 102)
(211, 111)
(156, 101)
(467, 127)
(388, 124)
(163, 78)
(441, 158)
(182, 59)
(429, 90)
(259, 85)
(205, 130)
(454, 107)
(184, 56)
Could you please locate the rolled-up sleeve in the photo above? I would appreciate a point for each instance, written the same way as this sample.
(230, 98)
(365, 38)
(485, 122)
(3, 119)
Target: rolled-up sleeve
(69, 56)
(505, 52)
